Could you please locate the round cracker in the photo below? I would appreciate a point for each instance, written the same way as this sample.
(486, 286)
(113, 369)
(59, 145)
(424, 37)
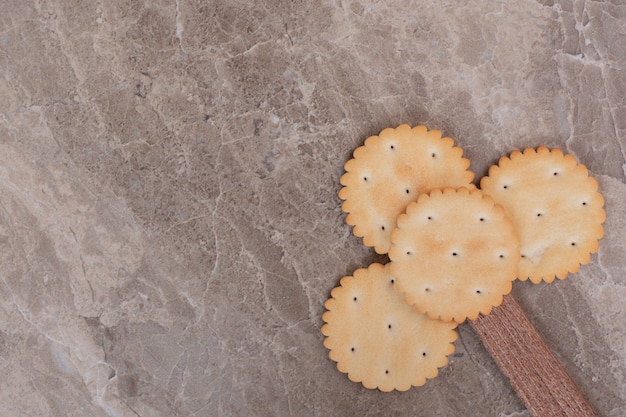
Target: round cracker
(555, 206)
(379, 340)
(392, 169)
(454, 254)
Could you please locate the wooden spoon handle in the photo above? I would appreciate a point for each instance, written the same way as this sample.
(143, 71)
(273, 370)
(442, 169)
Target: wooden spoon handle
(536, 375)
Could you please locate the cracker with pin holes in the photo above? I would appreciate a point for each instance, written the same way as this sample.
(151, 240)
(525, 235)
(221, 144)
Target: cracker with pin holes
(454, 254)
(392, 169)
(556, 207)
(379, 340)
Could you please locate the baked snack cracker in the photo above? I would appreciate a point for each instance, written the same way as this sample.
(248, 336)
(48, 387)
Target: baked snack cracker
(379, 340)
(454, 254)
(392, 169)
(555, 206)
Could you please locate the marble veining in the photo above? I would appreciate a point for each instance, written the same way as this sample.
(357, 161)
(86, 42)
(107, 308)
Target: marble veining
(169, 219)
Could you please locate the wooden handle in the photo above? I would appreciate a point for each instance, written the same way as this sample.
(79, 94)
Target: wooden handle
(536, 375)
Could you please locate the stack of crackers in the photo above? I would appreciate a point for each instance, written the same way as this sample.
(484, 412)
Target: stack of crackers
(454, 249)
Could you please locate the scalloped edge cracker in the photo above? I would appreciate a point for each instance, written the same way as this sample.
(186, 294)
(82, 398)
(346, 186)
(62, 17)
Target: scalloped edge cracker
(379, 340)
(392, 169)
(454, 254)
(556, 207)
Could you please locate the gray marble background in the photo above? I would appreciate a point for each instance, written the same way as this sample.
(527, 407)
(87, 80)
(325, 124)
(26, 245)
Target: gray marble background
(169, 220)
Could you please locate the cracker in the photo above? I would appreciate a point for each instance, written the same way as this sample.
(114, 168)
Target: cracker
(379, 340)
(555, 206)
(454, 254)
(392, 169)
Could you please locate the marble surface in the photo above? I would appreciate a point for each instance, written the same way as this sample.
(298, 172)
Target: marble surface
(169, 219)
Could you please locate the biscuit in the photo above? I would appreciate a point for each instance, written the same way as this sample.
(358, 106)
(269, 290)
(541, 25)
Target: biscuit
(555, 206)
(379, 340)
(454, 254)
(392, 169)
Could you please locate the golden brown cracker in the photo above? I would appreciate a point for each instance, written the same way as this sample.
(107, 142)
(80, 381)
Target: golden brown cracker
(555, 206)
(454, 254)
(392, 169)
(379, 340)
